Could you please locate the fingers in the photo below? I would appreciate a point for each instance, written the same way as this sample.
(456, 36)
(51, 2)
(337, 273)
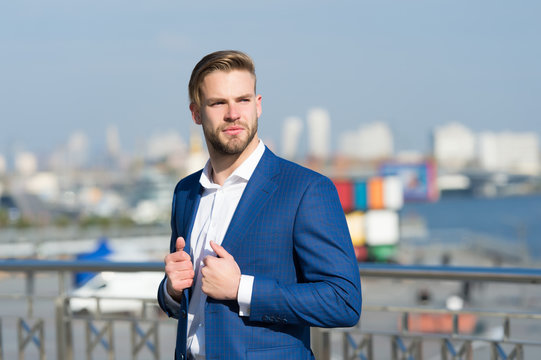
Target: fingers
(175, 286)
(179, 256)
(220, 250)
(180, 274)
(209, 260)
(220, 275)
(180, 243)
(179, 269)
(174, 266)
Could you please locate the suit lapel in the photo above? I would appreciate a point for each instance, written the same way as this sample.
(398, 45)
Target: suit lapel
(191, 204)
(258, 190)
(190, 210)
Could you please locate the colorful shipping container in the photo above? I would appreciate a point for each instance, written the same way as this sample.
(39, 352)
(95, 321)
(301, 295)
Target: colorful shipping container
(374, 194)
(371, 213)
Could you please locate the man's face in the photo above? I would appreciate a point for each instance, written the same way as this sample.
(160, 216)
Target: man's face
(229, 111)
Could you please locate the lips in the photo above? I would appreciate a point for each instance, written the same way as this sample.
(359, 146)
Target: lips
(233, 130)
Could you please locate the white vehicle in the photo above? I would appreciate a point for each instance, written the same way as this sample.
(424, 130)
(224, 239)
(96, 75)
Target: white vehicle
(116, 292)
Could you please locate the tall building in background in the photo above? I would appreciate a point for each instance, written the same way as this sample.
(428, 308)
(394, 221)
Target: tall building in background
(319, 133)
(26, 163)
(160, 146)
(113, 141)
(77, 150)
(3, 165)
(291, 132)
(454, 146)
(197, 156)
(510, 152)
(370, 142)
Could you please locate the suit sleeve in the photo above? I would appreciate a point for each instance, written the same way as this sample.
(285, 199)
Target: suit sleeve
(328, 291)
(170, 308)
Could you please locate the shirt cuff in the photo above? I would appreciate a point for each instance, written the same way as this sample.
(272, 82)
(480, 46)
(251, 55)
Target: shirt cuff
(244, 296)
(172, 303)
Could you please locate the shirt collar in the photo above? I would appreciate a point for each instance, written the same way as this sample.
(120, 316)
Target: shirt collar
(243, 172)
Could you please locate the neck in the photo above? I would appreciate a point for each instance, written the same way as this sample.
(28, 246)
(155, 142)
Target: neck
(223, 165)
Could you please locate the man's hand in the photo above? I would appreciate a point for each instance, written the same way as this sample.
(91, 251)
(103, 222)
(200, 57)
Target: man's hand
(221, 275)
(179, 270)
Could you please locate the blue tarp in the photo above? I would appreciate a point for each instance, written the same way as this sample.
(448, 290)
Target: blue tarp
(102, 251)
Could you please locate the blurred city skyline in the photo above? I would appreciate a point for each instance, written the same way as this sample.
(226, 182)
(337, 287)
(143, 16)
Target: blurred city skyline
(84, 67)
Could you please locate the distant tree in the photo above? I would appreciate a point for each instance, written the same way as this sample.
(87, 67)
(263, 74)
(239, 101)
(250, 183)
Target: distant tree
(23, 223)
(62, 221)
(124, 221)
(95, 221)
(4, 218)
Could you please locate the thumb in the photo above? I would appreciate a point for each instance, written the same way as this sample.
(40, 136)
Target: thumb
(219, 250)
(180, 243)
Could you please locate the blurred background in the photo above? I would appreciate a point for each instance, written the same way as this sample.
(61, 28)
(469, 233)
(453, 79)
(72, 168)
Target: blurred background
(443, 96)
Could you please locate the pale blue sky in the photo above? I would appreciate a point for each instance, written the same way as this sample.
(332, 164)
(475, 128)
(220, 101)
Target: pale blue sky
(80, 65)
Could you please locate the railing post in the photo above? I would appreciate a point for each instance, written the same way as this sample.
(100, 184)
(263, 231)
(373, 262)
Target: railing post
(520, 352)
(30, 293)
(394, 347)
(64, 341)
(506, 328)
(42, 342)
(368, 342)
(321, 344)
(1, 348)
(494, 354)
(345, 346)
(405, 322)
(444, 349)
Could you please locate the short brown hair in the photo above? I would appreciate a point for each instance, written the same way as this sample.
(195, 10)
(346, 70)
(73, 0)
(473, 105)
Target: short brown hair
(225, 60)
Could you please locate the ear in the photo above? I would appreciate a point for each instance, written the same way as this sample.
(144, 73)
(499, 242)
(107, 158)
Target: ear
(196, 114)
(258, 105)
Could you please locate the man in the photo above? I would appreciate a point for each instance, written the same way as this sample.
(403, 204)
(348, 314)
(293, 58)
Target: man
(260, 249)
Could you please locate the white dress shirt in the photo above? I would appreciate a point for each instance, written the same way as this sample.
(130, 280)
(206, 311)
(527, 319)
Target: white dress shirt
(216, 209)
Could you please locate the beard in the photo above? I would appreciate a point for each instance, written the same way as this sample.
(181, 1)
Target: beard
(228, 146)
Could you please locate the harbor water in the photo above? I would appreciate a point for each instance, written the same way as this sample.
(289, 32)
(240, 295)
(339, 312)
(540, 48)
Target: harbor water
(511, 223)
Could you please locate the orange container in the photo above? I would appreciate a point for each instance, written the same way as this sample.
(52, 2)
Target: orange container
(375, 193)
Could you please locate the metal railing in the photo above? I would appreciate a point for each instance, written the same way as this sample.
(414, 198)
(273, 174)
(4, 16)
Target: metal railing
(119, 336)
(445, 336)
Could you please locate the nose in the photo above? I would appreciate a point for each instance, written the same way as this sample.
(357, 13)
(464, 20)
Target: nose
(232, 113)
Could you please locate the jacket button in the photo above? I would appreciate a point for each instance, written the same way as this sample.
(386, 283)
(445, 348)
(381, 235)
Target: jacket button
(183, 314)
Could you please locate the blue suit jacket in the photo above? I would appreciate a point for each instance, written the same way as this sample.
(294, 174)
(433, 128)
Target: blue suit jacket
(290, 233)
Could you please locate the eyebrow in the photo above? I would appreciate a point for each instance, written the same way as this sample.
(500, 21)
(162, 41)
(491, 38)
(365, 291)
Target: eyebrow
(211, 100)
(247, 95)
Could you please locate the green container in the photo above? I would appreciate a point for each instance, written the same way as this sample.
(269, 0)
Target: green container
(381, 253)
